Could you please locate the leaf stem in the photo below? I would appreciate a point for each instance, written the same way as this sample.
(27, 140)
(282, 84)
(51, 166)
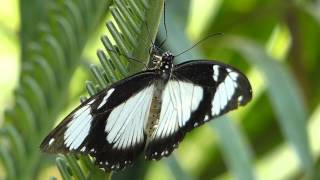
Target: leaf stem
(141, 51)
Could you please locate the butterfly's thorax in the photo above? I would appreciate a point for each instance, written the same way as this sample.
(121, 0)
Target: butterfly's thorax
(163, 65)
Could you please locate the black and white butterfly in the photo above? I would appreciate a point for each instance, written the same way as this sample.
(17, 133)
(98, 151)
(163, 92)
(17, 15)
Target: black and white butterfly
(149, 112)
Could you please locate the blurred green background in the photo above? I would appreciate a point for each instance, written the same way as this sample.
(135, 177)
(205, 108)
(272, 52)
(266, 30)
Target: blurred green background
(47, 48)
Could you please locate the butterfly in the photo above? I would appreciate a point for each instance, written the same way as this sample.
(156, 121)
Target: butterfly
(149, 112)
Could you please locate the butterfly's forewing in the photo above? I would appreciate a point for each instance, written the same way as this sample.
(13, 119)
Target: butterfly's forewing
(196, 92)
(109, 125)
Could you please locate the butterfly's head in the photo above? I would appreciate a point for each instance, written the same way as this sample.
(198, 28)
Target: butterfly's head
(163, 64)
(167, 57)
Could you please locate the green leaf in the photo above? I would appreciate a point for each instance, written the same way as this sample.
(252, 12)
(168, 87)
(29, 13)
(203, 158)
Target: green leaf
(176, 169)
(313, 9)
(63, 168)
(8, 163)
(51, 45)
(18, 148)
(77, 173)
(284, 95)
(235, 150)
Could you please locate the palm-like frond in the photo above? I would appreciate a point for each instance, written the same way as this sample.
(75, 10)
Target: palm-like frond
(51, 50)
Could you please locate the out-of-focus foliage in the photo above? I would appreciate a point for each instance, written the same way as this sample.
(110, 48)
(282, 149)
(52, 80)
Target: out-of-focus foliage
(275, 43)
(52, 37)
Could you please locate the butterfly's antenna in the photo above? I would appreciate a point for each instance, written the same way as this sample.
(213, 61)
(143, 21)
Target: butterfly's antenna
(164, 24)
(154, 47)
(130, 58)
(149, 34)
(205, 38)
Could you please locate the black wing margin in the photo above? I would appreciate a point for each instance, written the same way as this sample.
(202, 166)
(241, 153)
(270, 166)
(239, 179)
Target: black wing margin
(89, 130)
(212, 87)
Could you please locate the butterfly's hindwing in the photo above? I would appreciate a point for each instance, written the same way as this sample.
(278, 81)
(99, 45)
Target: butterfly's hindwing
(109, 125)
(197, 92)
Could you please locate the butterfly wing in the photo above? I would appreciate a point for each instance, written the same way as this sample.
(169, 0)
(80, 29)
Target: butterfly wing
(196, 92)
(109, 125)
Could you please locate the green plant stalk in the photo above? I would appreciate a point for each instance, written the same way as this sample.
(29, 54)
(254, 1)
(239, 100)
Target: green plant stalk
(149, 30)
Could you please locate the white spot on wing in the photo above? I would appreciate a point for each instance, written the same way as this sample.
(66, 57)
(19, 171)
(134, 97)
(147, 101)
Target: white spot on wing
(206, 118)
(78, 128)
(216, 103)
(51, 141)
(174, 145)
(215, 72)
(125, 124)
(110, 91)
(92, 101)
(224, 93)
(195, 124)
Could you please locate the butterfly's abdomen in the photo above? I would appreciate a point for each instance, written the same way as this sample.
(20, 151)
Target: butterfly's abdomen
(154, 114)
